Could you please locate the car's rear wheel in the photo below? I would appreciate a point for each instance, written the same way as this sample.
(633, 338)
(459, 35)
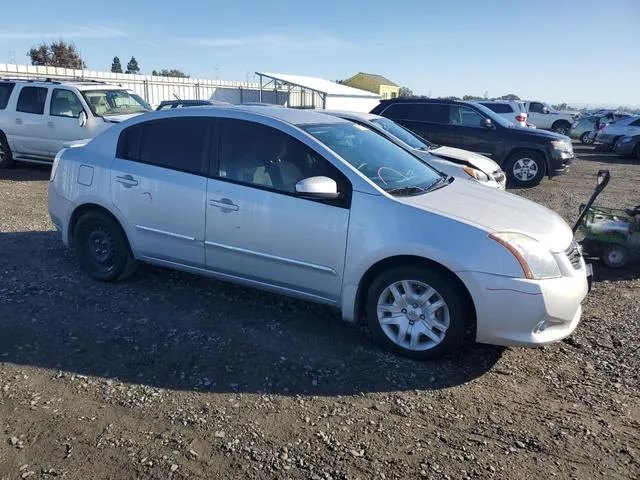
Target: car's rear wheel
(525, 168)
(6, 157)
(561, 127)
(415, 312)
(615, 256)
(103, 249)
(586, 138)
(636, 151)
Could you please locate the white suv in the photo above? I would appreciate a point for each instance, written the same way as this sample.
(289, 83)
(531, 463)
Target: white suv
(544, 116)
(514, 110)
(38, 117)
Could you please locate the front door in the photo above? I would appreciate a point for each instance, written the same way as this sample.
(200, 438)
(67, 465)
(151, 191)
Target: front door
(466, 126)
(257, 227)
(537, 116)
(62, 121)
(158, 182)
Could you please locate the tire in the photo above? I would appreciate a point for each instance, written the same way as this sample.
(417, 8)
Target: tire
(6, 157)
(431, 328)
(636, 151)
(525, 168)
(561, 127)
(586, 139)
(615, 256)
(102, 246)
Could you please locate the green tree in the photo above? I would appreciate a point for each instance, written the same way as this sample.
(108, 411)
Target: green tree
(405, 92)
(116, 67)
(510, 97)
(57, 54)
(170, 73)
(132, 66)
(471, 97)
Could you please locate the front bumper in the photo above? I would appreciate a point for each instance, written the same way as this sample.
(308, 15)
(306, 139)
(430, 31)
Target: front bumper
(560, 162)
(526, 313)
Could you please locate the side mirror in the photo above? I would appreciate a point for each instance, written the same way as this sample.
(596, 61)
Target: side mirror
(317, 187)
(486, 123)
(82, 119)
(545, 110)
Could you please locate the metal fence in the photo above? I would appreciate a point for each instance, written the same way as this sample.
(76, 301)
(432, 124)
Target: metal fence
(156, 89)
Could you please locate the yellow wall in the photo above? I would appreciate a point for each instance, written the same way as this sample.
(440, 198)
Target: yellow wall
(366, 83)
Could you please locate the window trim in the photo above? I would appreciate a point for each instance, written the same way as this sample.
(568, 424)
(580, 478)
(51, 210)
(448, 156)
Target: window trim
(44, 104)
(53, 91)
(204, 155)
(214, 162)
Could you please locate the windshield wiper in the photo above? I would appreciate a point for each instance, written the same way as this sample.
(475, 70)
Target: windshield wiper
(413, 190)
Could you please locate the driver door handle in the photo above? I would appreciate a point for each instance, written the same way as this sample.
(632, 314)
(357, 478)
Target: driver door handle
(225, 204)
(127, 181)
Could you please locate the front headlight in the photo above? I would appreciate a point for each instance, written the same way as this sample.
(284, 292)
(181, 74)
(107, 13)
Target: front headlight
(562, 146)
(536, 260)
(476, 174)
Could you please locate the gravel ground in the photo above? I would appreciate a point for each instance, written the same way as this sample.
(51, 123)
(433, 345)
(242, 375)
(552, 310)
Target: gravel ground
(174, 376)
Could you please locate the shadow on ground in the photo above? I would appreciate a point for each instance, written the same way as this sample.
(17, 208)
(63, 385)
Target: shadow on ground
(179, 331)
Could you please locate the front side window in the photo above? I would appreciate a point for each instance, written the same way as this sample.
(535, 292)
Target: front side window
(464, 116)
(174, 143)
(386, 164)
(32, 100)
(258, 155)
(65, 103)
(114, 102)
(5, 92)
(536, 107)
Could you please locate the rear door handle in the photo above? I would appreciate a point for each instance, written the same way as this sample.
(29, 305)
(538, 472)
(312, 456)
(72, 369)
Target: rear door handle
(18, 121)
(50, 124)
(127, 181)
(226, 204)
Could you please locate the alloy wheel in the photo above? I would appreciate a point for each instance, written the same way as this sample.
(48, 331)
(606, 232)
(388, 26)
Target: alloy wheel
(525, 169)
(413, 315)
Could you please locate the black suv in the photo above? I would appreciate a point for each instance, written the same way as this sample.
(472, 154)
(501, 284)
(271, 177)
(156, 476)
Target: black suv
(525, 154)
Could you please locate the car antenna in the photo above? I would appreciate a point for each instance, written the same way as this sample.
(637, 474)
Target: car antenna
(177, 97)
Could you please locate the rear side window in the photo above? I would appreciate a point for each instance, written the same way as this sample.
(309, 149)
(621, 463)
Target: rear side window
(175, 143)
(5, 92)
(499, 107)
(421, 112)
(31, 100)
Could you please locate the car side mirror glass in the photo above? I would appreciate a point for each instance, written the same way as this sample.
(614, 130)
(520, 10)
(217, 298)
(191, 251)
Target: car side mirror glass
(545, 110)
(317, 187)
(82, 119)
(486, 123)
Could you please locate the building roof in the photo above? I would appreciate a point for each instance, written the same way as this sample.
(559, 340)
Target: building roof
(320, 85)
(377, 78)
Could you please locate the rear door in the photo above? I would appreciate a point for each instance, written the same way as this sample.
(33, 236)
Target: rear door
(158, 182)
(259, 229)
(28, 133)
(62, 121)
(429, 120)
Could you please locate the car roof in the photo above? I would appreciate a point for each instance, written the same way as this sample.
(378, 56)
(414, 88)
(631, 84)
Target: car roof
(349, 114)
(496, 101)
(79, 84)
(290, 115)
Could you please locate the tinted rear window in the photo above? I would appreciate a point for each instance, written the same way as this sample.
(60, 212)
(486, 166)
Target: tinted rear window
(499, 107)
(32, 99)
(422, 112)
(175, 143)
(5, 92)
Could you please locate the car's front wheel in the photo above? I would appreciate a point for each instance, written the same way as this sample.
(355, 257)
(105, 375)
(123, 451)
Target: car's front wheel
(6, 158)
(586, 138)
(636, 151)
(615, 256)
(415, 312)
(103, 249)
(525, 168)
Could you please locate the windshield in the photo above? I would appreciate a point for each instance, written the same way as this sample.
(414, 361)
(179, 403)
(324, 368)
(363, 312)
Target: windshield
(389, 166)
(495, 118)
(114, 102)
(403, 134)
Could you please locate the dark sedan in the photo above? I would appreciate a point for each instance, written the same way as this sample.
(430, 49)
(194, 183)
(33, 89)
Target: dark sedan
(628, 146)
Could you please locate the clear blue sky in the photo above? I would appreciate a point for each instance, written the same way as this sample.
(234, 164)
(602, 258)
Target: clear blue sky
(575, 51)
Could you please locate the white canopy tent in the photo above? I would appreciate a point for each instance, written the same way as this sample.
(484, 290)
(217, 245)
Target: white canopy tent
(312, 92)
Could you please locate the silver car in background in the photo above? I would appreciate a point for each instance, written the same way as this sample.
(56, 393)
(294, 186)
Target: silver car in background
(319, 208)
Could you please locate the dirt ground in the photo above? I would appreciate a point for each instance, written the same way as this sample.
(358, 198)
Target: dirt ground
(174, 376)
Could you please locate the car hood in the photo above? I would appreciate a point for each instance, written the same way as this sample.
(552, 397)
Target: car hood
(458, 155)
(538, 132)
(120, 118)
(493, 210)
